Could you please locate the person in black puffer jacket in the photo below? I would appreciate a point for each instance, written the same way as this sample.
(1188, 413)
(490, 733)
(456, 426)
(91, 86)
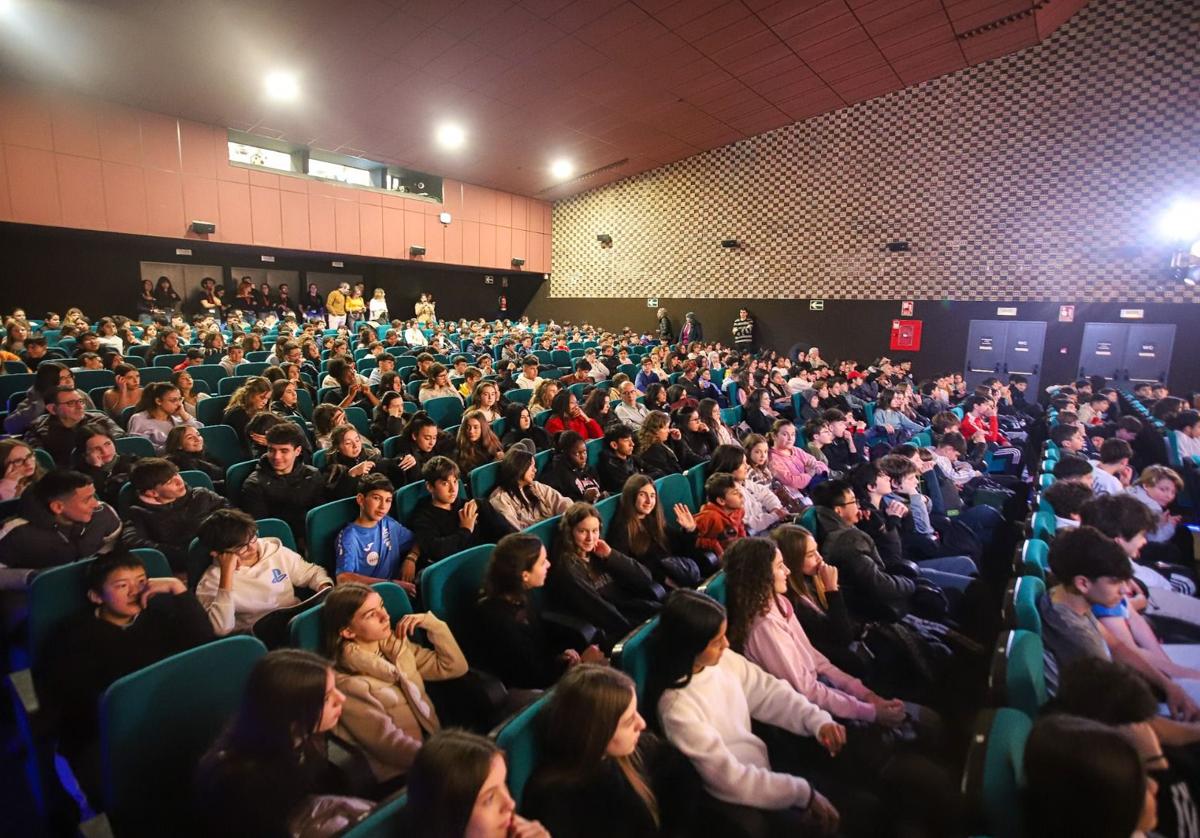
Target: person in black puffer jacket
(281, 485)
(569, 472)
(167, 512)
(60, 522)
(617, 463)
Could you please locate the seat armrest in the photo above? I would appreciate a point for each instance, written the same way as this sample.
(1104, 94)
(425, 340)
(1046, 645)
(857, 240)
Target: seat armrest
(575, 632)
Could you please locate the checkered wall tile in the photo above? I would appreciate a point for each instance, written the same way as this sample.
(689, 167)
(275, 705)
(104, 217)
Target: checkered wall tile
(1036, 176)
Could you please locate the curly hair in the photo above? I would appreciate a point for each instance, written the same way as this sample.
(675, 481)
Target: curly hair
(749, 585)
(647, 434)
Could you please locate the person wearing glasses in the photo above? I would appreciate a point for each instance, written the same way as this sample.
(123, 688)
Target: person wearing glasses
(21, 469)
(66, 414)
(249, 576)
(872, 592)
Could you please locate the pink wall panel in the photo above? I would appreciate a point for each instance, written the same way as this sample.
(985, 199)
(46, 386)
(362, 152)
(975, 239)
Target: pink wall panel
(470, 242)
(520, 213)
(321, 228)
(198, 153)
(120, 134)
(160, 142)
(266, 218)
(234, 201)
(414, 228)
(200, 201)
(370, 224)
(487, 205)
(86, 163)
(73, 122)
(5, 203)
(470, 202)
(435, 240)
(517, 246)
(164, 204)
(503, 209)
(487, 245)
(294, 213)
(345, 216)
(504, 254)
(125, 198)
(33, 185)
(454, 243)
(26, 120)
(394, 245)
(533, 253)
(547, 259)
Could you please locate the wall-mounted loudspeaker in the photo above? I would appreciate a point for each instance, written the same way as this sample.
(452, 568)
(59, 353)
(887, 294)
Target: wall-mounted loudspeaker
(203, 227)
(727, 243)
(517, 261)
(416, 250)
(898, 247)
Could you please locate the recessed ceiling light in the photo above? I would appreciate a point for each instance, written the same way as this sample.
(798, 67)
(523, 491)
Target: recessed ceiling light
(451, 136)
(561, 169)
(282, 86)
(7, 7)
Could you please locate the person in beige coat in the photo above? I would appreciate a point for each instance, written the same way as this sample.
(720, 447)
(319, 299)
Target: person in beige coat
(382, 672)
(518, 497)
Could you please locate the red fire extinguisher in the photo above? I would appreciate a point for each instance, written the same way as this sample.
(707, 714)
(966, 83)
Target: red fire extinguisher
(503, 303)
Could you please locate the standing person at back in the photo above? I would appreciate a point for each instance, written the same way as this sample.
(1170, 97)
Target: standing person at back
(743, 331)
(666, 330)
(335, 305)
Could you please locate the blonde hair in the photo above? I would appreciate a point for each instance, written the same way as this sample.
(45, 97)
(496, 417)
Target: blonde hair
(1152, 475)
(647, 434)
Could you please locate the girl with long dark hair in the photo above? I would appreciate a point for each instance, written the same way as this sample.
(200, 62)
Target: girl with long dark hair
(518, 425)
(518, 497)
(639, 529)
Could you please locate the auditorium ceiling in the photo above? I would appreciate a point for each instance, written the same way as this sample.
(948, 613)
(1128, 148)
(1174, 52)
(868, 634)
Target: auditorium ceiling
(616, 87)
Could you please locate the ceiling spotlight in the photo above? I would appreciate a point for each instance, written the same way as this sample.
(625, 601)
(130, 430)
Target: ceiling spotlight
(451, 136)
(7, 7)
(561, 169)
(282, 86)
(1181, 223)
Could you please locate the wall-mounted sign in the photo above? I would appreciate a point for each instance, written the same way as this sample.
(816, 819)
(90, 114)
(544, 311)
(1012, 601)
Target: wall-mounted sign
(338, 264)
(1066, 314)
(1006, 311)
(1103, 348)
(816, 305)
(985, 344)
(906, 308)
(1022, 346)
(1132, 313)
(183, 251)
(652, 302)
(1148, 350)
(267, 258)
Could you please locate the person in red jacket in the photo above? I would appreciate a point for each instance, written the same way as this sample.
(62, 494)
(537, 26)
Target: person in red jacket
(569, 417)
(980, 417)
(719, 522)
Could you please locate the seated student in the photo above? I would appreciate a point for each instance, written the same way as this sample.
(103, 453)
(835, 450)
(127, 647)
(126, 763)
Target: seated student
(389, 418)
(873, 590)
(890, 416)
(1067, 499)
(508, 638)
(599, 773)
(763, 626)
(421, 440)
(456, 786)
(167, 512)
(247, 401)
(518, 497)
(268, 774)
(529, 378)
(477, 445)
(1092, 570)
(1070, 440)
(518, 426)
(374, 546)
(382, 673)
(590, 580)
(249, 576)
(96, 456)
(617, 463)
(49, 376)
(759, 415)
(979, 417)
(639, 530)
(444, 523)
(1170, 588)
(60, 521)
(284, 401)
(20, 468)
(1156, 488)
(132, 622)
(1094, 411)
(1186, 428)
(1112, 474)
(661, 449)
(349, 459)
(1116, 696)
(569, 472)
(282, 485)
(66, 416)
(763, 509)
(720, 520)
(793, 467)
(185, 448)
(922, 543)
(700, 439)
(705, 699)
(1107, 793)
(569, 416)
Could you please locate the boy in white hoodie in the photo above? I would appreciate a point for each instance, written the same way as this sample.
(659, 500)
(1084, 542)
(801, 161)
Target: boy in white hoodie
(249, 576)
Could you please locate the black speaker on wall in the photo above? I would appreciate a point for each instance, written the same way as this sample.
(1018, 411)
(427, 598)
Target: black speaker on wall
(203, 227)
(728, 243)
